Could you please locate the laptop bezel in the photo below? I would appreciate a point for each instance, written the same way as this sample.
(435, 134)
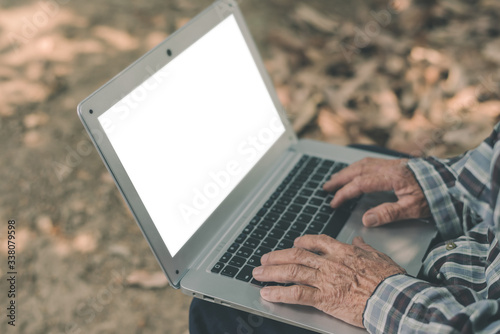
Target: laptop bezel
(109, 94)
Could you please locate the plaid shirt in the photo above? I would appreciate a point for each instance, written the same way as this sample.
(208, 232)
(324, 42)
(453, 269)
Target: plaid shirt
(460, 292)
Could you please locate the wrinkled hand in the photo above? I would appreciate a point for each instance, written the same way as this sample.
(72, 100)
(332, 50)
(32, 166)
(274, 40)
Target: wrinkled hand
(372, 175)
(337, 278)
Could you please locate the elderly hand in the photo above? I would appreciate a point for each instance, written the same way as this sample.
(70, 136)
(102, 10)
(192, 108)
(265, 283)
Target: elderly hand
(331, 276)
(372, 175)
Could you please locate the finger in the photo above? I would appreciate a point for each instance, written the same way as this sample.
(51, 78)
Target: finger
(346, 175)
(293, 256)
(358, 168)
(295, 294)
(320, 243)
(359, 242)
(384, 213)
(286, 273)
(361, 185)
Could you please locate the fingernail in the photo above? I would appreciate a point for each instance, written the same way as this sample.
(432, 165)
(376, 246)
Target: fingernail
(264, 292)
(371, 219)
(257, 271)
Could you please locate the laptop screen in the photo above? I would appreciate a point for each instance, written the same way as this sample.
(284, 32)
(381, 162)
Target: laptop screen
(191, 132)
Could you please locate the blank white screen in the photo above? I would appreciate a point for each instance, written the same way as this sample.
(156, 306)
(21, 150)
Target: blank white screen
(189, 134)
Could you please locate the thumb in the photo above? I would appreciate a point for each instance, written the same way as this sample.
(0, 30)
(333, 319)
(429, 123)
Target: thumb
(383, 214)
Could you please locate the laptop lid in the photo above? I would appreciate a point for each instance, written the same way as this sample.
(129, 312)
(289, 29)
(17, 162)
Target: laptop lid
(189, 123)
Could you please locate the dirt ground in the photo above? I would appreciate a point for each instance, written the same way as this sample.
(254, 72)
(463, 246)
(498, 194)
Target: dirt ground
(418, 76)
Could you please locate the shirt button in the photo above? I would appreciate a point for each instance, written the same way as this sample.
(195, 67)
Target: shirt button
(450, 245)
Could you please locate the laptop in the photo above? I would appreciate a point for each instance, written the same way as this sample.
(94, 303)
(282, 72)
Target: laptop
(201, 150)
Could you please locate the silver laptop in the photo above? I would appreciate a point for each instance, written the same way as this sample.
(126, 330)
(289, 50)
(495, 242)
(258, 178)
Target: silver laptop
(199, 146)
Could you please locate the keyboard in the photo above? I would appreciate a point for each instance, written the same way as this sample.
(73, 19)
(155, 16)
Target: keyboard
(298, 206)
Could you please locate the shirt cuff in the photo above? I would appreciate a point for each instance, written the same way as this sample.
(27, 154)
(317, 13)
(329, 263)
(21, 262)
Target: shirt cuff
(390, 301)
(435, 179)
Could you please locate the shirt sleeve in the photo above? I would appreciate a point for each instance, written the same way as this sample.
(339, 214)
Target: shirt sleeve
(452, 216)
(458, 190)
(404, 304)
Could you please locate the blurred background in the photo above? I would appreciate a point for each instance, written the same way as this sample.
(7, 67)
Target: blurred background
(419, 76)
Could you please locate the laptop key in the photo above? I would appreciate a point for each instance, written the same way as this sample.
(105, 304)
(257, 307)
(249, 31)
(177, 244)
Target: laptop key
(254, 261)
(304, 218)
(269, 242)
(218, 267)
(251, 243)
(294, 208)
(316, 226)
(323, 170)
(284, 200)
(283, 225)
(327, 163)
(283, 244)
(241, 238)
(311, 210)
(255, 220)
(305, 192)
(300, 200)
(302, 177)
(225, 257)
(233, 248)
(295, 185)
(298, 227)
(261, 212)
(237, 261)
(291, 235)
(312, 184)
(245, 274)
(309, 231)
(321, 217)
(321, 193)
(272, 217)
(315, 201)
(258, 234)
(326, 209)
(317, 178)
(278, 208)
(248, 229)
(290, 216)
(266, 225)
(276, 233)
(275, 195)
(229, 271)
(268, 203)
(262, 250)
(244, 252)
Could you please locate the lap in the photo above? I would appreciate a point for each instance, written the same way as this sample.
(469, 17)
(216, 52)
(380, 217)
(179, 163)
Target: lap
(210, 318)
